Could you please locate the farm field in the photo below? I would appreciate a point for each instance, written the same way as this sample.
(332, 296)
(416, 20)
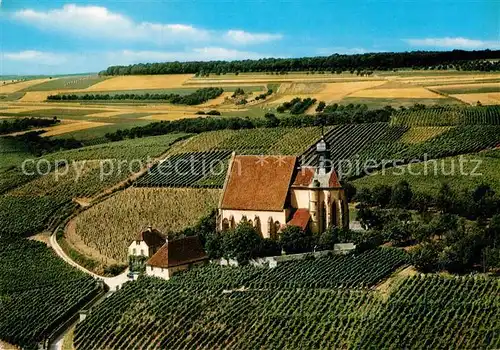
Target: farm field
(63, 83)
(18, 86)
(485, 98)
(428, 177)
(134, 209)
(248, 308)
(39, 281)
(467, 88)
(140, 82)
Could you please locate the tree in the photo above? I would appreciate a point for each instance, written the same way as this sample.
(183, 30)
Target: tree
(321, 106)
(445, 201)
(382, 195)
(401, 195)
(271, 120)
(294, 240)
(425, 257)
(242, 243)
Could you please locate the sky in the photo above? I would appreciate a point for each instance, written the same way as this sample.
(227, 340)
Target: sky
(61, 37)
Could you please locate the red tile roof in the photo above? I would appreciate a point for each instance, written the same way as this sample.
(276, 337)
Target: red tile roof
(304, 177)
(334, 180)
(152, 237)
(300, 219)
(178, 252)
(258, 183)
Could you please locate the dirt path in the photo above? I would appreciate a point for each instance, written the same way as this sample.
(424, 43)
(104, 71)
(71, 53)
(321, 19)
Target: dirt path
(385, 288)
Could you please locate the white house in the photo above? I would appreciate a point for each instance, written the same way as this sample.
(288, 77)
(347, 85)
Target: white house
(176, 255)
(146, 243)
(271, 192)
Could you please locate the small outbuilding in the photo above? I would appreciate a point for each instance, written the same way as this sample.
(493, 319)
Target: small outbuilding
(146, 243)
(176, 255)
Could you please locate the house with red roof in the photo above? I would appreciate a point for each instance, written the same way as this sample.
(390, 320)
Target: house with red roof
(271, 192)
(176, 255)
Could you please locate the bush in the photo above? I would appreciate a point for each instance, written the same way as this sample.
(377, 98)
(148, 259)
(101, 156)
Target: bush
(294, 240)
(242, 243)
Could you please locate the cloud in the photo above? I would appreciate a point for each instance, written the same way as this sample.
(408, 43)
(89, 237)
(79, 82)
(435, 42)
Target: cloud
(99, 22)
(240, 37)
(342, 50)
(38, 57)
(454, 43)
(197, 54)
(83, 62)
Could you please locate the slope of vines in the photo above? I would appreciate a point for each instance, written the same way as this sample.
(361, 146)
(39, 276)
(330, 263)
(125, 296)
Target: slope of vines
(448, 116)
(250, 308)
(38, 291)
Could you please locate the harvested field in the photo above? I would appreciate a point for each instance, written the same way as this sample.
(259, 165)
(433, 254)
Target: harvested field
(110, 226)
(411, 92)
(10, 88)
(327, 92)
(468, 88)
(216, 101)
(69, 126)
(485, 98)
(139, 82)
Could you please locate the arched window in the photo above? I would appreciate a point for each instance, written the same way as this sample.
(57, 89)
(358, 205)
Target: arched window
(231, 222)
(334, 215)
(270, 227)
(277, 228)
(256, 224)
(134, 251)
(142, 252)
(225, 224)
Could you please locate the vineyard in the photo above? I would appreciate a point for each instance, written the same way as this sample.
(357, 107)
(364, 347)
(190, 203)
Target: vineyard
(33, 278)
(284, 308)
(286, 141)
(348, 140)
(188, 170)
(448, 116)
(39, 202)
(112, 225)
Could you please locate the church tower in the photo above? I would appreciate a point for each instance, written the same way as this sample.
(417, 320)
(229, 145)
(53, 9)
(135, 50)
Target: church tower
(323, 153)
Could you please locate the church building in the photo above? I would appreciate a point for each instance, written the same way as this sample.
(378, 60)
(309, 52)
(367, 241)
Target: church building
(271, 192)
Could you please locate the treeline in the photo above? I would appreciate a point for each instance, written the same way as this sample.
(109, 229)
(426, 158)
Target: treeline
(10, 126)
(195, 98)
(456, 59)
(37, 145)
(454, 231)
(296, 105)
(341, 114)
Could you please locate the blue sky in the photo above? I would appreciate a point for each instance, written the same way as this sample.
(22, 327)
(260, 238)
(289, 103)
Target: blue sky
(59, 37)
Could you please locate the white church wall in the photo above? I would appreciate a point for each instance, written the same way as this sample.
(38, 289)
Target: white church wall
(278, 216)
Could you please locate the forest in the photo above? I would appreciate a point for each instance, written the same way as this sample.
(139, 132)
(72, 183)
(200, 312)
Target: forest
(456, 59)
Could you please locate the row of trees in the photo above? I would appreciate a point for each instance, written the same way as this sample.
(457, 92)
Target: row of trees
(362, 62)
(337, 114)
(195, 98)
(456, 231)
(10, 126)
(296, 105)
